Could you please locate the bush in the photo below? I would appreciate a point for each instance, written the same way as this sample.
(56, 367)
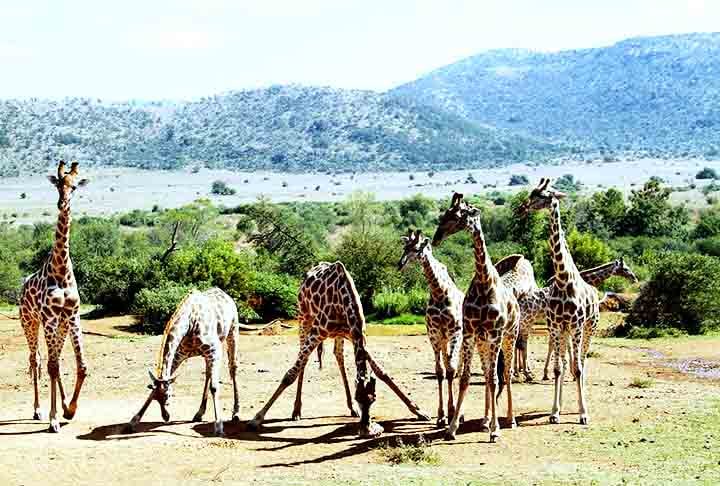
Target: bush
(567, 183)
(418, 301)
(683, 293)
(519, 180)
(709, 246)
(390, 303)
(158, 304)
(707, 173)
(615, 284)
(220, 188)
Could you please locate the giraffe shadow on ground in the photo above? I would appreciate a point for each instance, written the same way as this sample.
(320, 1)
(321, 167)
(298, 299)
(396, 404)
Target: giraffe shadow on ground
(42, 424)
(143, 429)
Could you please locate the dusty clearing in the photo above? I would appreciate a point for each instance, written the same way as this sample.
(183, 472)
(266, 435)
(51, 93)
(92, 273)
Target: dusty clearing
(668, 432)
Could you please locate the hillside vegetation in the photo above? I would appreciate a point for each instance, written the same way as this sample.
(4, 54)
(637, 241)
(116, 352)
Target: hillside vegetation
(287, 128)
(657, 96)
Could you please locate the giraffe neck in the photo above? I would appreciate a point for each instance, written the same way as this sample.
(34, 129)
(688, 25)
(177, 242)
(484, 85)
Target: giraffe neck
(437, 276)
(59, 261)
(176, 327)
(565, 269)
(485, 272)
(596, 276)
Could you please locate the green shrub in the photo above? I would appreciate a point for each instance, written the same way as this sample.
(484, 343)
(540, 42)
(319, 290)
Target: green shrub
(401, 453)
(709, 246)
(519, 180)
(683, 293)
(158, 304)
(615, 284)
(390, 303)
(273, 295)
(417, 301)
(220, 188)
(707, 173)
(641, 383)
(651, 332)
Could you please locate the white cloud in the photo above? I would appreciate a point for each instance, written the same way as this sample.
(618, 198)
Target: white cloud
(13, 51)
(173, 39)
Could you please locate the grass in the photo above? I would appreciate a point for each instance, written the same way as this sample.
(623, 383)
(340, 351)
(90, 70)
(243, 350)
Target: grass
(418, 453)
(641, 383)
(594, 354)
(401, 320)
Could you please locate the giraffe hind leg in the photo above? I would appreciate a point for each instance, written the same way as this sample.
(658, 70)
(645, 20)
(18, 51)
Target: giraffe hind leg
(31, 328)
(339, 351)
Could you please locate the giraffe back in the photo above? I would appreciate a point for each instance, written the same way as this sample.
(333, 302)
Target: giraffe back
(329, 290)
(517, 273)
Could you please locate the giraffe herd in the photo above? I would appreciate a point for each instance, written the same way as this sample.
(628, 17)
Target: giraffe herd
(494, 317)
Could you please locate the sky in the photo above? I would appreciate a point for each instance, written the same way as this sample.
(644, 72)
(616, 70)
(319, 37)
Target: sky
(185, 49)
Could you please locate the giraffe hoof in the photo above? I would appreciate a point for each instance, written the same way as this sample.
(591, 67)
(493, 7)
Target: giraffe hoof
(441, 423)
(371, 430)
(450, 435)
(423, 416)
(461, 419)
(254, 425)
(219, 432)
(38, 415)
(296, 416)
(54, 427)
(129, 428)
(494, 436)
(545, 378)
(235, 419)
(584, 420)
(513, 424)
(68, 414)
(197, 418)
(354, 412)
(555, 419)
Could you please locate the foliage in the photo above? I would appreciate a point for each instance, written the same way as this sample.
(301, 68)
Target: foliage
(708, 224)
(683, 292)
(651, 214)
(567, 183)
(417, 453)
(157, 305)
(519, 180)
(707, 173)
(220, 188)
(641, 383)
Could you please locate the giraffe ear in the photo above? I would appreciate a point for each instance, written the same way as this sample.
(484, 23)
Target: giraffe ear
(83, 182)
(53, 180)
(544, 183)
(152, 377)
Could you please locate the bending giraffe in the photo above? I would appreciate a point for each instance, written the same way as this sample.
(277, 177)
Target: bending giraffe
(490, 317)
(50, 297)
(443, 316)
(329, 307)
(572, 304)
(198, 327)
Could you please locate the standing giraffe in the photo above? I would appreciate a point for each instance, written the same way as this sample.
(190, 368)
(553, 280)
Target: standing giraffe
(329, 307)
(490, 316)
(198, 327)
(532, 307)
(443, 316)
(50, 297)
(572, 305)
(595, 277)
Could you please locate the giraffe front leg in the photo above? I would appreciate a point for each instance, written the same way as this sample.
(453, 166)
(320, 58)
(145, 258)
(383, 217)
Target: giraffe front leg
(468, 347)
(311, 341)
(203, 402)
(440, 376)
(546, 377)
(31, 328)
(508, 347)
(214, 365)
(297, 408)
(491, 382)
(232, 368)
(411, 405)
(452, 356)
(483, 350)
(560, 357)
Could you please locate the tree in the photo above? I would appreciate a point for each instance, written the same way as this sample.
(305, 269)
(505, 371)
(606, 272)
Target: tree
(416, 212)
(651, 213)
(707, 173)
(220, 188)
(708, 223)
(567, 183)
(519, 180)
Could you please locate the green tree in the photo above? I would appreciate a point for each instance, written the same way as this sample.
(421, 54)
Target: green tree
(651, 214)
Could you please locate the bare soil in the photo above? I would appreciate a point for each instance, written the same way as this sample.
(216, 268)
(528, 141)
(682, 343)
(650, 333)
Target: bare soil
(322, 447)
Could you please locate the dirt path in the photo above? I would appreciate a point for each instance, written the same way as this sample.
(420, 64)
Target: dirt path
(322, 446)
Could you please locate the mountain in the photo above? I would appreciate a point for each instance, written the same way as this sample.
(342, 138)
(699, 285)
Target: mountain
(284, 128)
(655, 96)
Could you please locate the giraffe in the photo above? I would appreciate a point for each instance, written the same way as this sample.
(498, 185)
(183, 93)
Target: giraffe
(593, 276)
(50, 297)
(572, 305)
(329, 307)
(490, 316)
(443, 316)
(532, 307)
(198, 327)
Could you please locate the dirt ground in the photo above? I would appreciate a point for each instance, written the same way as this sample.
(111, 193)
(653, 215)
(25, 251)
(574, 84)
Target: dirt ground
(322, 447)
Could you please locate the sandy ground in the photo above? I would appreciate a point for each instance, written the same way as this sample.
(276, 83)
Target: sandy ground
(322, 446)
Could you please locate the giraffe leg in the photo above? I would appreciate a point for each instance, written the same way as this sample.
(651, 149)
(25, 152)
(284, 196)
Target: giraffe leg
(81, 372)
(214, 363)
(53, 349)
(203, 402)
(297, 408)
(412, 406)
(440, 376)
(491, 382)
(339, 351)
(547, 359)
(483, 350)
(452, 356)
(582, 345)
(61, 335)
(560, 357)
(131, 426)
(468, 347)
(232, 367)
(508, 345)
(31, 328)
(311, 341)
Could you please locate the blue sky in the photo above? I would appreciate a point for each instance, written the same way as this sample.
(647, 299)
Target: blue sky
(184, 49)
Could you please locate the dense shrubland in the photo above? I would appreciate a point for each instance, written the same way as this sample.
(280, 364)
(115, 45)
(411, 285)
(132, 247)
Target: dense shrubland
(144, 261)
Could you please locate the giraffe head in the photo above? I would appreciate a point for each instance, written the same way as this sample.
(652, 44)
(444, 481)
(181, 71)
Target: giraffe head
(623, 270)
(415, 244)
(161, 391)
(365, 395)
(541, 197)
(66, 183)
(456, 218)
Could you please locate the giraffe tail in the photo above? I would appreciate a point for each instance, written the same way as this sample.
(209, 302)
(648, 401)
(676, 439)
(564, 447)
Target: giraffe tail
(320, 351)
(501, 374)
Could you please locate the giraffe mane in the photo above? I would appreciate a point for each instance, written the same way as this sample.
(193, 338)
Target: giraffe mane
(168, 326)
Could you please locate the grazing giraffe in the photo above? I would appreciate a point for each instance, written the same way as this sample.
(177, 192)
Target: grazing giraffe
(490, 316)
(329, 307)
(593, 276)
(50, 297)
(198, 327)
(443, 316)
(572, 309)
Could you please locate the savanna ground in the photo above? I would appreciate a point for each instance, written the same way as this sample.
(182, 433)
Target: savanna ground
(651, 423)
